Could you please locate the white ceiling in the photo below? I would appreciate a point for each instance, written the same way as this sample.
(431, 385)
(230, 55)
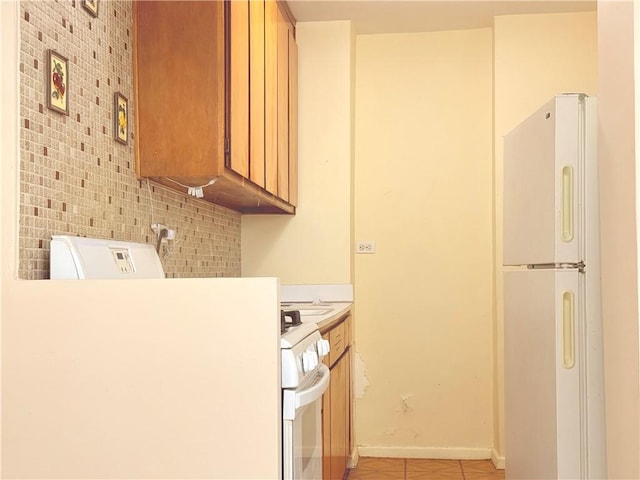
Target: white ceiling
(399, 16)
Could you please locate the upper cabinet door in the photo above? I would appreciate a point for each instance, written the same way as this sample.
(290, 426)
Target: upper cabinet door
(179, 80)
(257, 85)
(271, 96)
(238, 38)
(544, 185)
(293, 119)
(283, 107)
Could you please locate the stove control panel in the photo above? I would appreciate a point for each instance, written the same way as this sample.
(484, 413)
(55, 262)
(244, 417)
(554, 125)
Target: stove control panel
(300, 359)
(309, 360)
(122, 259)
(323, 347)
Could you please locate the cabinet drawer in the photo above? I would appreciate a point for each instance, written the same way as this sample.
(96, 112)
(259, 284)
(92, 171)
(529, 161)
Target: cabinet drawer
(348, 331)
(337, 340)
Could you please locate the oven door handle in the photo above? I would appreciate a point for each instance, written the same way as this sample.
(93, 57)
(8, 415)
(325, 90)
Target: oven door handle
(294, 400)
(315, 391)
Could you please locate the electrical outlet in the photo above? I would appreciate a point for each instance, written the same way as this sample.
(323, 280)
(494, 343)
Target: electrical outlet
(366, 246)
(157, 228)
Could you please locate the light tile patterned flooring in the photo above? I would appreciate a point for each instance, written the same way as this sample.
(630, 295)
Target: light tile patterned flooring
(370, 468)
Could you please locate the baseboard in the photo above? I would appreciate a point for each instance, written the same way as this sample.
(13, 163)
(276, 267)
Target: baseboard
(497, 460)
(445, 453)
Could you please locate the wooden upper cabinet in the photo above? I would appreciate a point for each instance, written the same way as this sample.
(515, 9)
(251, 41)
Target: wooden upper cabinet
(212, 100)
(180, 90)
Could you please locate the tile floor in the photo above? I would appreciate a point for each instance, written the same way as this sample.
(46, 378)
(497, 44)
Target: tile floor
(370, 468)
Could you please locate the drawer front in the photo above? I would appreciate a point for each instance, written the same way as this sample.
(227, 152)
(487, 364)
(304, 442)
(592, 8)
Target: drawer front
(348, 331)
(337, 340)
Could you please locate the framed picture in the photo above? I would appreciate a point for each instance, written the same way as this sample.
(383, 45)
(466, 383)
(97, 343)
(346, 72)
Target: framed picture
(57, 82)
(91, 6)
(121, 118)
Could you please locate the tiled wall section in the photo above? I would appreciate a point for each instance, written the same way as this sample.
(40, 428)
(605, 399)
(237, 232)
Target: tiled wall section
(74, 177)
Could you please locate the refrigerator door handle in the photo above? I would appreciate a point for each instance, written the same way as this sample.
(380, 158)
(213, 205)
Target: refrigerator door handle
(568, 330)
(580, 266)
(566, 215)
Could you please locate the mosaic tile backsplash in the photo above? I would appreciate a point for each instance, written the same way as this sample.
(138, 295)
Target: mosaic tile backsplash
(75, 178)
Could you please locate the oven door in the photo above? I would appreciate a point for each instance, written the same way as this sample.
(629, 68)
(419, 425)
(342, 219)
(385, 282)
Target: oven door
(302, 428)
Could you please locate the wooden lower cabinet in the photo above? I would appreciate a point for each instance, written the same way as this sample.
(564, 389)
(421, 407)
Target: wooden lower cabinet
(336, 419)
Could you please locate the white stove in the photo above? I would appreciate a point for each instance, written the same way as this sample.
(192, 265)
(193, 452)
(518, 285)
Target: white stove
(295, 335)
(302, 349)
(80, 258)
(304, 380)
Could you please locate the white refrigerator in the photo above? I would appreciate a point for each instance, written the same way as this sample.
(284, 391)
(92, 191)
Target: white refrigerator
(554, 387)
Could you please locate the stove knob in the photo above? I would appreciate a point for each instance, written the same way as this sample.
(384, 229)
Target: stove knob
(309, 361)
(323, 347)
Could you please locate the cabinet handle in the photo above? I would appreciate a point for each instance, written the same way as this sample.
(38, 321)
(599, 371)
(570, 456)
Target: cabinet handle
(566, 213)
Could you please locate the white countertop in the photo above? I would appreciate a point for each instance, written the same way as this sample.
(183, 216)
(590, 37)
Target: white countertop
(321, 314)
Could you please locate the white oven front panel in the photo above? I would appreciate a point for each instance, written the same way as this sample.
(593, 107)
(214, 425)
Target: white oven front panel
(302, 428)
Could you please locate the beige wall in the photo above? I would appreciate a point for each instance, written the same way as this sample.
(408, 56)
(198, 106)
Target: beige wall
(535, 58)
(423, 194)
(617, 159)
(433, 214)
(315, 245)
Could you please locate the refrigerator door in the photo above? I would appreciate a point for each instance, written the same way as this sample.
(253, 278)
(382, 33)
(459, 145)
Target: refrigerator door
(543, 178)
(544, 408)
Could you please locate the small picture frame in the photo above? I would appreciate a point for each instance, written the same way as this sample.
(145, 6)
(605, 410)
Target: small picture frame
(57, 82)
(121, 118)
(91, 6)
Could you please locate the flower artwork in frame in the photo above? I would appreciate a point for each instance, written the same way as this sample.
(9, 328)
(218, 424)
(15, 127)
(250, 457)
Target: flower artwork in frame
(91, 6)
(121, 118)
(57, 82)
